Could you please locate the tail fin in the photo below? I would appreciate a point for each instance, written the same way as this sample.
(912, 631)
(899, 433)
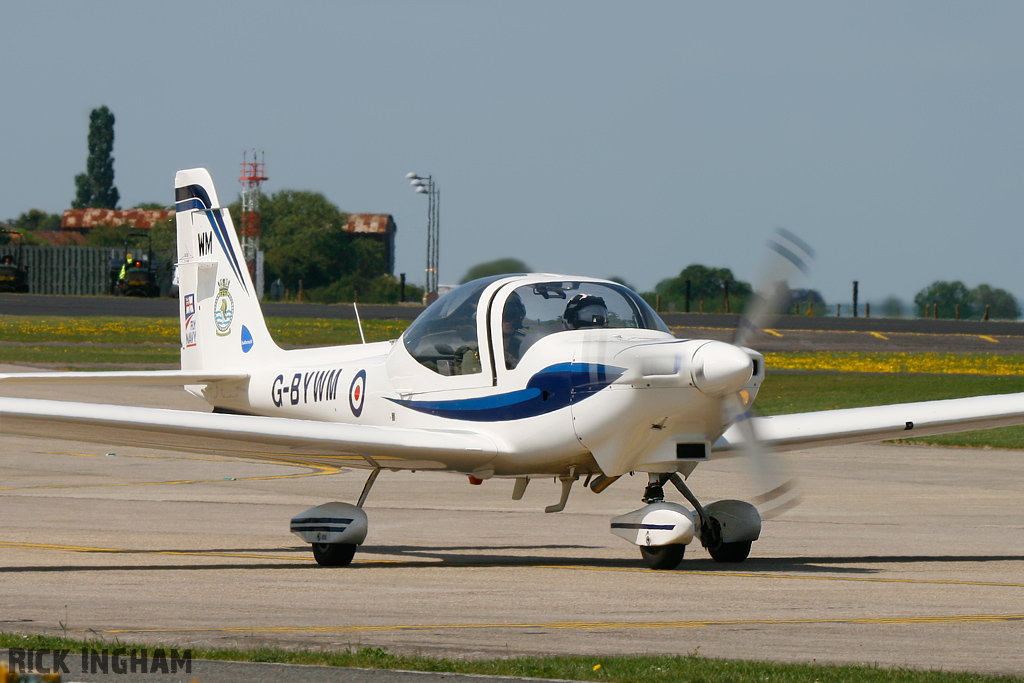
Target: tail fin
(222, 324)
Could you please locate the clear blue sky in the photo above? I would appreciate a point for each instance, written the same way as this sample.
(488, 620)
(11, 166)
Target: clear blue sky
(606, 139)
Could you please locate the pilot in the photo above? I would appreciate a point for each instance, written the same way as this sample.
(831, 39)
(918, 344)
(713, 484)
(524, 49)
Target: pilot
(8, 259)
(585, 310)
(512, 330)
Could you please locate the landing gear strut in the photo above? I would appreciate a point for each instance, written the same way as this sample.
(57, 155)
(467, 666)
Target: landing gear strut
(334, 530)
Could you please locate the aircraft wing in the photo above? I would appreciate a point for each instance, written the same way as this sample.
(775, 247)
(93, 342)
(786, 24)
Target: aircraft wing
(878, 423)
(146, 378)
(261, 438)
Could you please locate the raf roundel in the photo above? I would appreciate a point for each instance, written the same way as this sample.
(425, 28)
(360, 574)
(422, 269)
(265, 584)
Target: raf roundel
(357, 393)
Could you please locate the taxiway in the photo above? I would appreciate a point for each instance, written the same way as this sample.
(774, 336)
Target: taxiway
(897, 556)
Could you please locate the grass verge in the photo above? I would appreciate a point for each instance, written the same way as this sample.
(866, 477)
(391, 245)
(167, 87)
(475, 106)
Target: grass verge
(110, 330)
(640, 669)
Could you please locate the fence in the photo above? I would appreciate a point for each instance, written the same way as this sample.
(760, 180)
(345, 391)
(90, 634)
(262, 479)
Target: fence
(82, 271)
(79, 270)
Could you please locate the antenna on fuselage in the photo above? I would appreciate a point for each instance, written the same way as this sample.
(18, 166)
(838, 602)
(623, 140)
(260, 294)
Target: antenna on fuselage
(359, 322)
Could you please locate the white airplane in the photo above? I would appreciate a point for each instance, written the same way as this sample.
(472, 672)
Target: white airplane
(520, 376)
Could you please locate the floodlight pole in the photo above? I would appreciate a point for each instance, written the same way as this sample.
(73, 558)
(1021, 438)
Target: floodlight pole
(426, 185)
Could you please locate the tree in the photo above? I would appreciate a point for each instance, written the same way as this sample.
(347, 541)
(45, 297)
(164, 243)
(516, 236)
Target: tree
(893, 307)
(707, 285)
(33, 220)
(947, 296)
(622, 281)
(1001, 304)
(500, 266)
(95, 188)
(302, 235)
(806, 298)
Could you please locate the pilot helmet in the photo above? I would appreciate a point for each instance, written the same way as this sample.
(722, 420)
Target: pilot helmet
(585, 310)
(514, 311)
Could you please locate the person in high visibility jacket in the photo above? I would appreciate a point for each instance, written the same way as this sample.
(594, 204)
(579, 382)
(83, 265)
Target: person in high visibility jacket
(124, 267)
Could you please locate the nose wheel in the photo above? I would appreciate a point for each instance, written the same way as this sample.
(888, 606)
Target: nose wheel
(334, 554)
(669, 556)
(663, 556)
(730, 552)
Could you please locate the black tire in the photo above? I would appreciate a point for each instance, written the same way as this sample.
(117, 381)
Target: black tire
(334, 554)
(663, 556)
(730, 552)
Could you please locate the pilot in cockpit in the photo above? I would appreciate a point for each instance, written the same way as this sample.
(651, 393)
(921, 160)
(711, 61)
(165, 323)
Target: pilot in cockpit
(585, 310)
(512, 330)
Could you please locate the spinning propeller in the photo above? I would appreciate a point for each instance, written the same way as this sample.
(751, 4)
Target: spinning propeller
(788, 260)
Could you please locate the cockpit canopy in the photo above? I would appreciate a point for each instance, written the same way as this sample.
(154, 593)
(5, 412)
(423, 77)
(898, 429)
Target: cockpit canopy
(446, 337)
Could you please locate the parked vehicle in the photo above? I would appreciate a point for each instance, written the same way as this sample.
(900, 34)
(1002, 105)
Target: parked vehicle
(135, 274)
(13, 271)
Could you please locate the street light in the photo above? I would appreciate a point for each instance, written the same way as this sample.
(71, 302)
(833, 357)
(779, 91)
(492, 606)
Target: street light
(426, 185)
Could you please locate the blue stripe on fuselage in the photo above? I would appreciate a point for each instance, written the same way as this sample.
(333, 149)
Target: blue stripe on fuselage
(552, 388)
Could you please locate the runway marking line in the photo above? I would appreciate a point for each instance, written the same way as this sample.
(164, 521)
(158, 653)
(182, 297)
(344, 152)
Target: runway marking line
(440, 565)
(879, 335)
(140, 455)
(591, 625)
(122, 551)
(321, 470)
(799, 577)
(771, 332)
(988, 338)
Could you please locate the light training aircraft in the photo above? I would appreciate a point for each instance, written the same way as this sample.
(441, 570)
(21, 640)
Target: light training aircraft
(516, 377)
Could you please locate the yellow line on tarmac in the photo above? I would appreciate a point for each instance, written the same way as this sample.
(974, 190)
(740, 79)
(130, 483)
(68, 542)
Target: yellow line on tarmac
(321, 471)
(592, 625)
(988, 338)
(140, 455)
(456, 565)
(795, 577)
(879, 335)
(121, 551)
(771, 332)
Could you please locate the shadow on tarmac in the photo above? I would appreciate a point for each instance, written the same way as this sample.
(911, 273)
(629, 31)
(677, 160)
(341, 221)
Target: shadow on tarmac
(419, 557)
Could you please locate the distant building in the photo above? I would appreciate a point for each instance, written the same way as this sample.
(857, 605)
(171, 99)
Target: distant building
(86, 219)
(379, 225)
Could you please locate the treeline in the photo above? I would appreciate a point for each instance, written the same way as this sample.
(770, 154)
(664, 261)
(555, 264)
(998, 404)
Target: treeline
(304, 244)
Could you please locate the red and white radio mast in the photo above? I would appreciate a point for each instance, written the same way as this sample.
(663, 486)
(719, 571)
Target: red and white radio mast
(252, 177)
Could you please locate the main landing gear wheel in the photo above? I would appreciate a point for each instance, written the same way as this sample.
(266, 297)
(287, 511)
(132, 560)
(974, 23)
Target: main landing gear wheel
(664, 556)
(334, 554)
(730, 552)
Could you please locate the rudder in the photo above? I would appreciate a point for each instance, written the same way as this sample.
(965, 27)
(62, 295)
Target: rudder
(222, 325)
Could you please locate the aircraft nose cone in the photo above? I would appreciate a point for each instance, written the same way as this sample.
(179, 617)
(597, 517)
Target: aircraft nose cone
(719, 368)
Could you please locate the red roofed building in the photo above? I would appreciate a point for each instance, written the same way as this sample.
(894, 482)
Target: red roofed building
(86, 219)
(379, 225)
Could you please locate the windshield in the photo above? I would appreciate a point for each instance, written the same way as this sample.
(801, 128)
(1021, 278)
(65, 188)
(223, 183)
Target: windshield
(532, 312)
(444, 337)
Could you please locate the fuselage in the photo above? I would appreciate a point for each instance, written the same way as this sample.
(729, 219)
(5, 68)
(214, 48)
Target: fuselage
(604, 398)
